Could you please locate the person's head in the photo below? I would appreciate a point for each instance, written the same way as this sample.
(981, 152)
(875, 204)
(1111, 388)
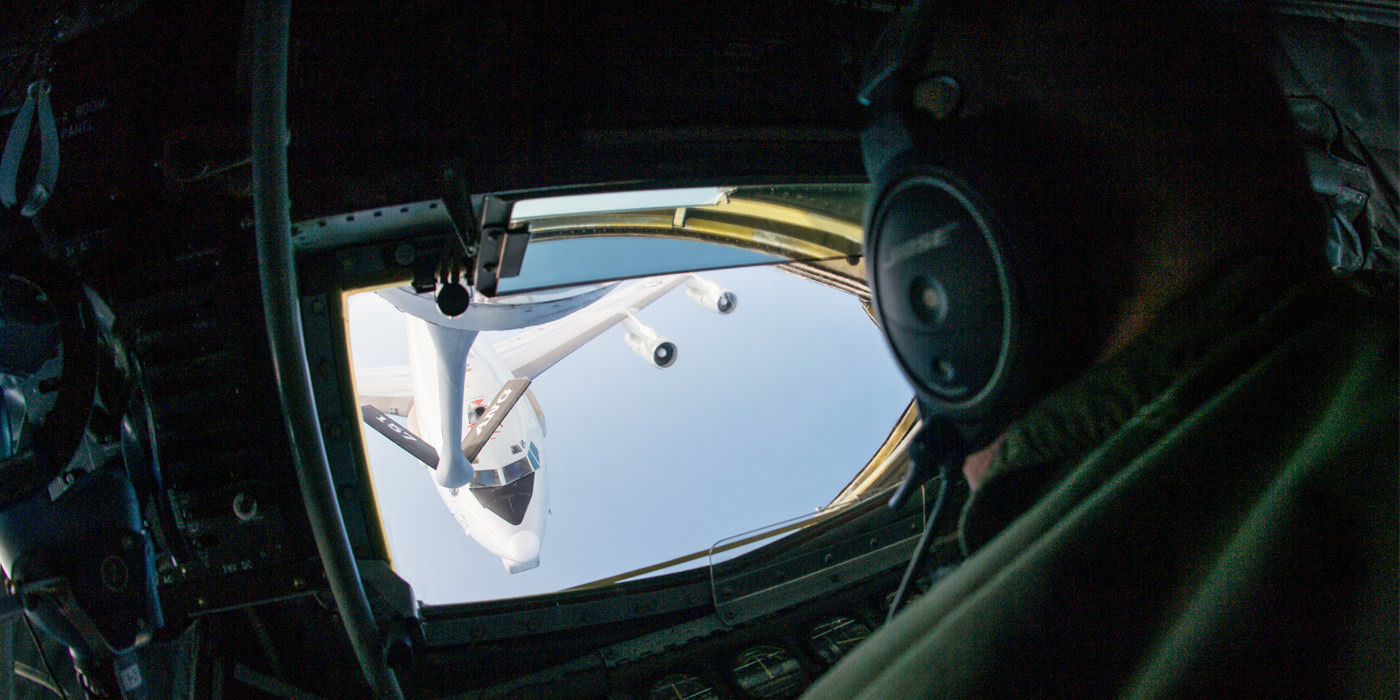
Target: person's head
(1049, 175)
(1185, 135)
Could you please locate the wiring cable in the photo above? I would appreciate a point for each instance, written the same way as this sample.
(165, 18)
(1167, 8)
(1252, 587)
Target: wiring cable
(948, 468)
(271, 21)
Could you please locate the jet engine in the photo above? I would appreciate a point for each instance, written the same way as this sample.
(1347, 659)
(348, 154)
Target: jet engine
(710, 295)
(648, 344)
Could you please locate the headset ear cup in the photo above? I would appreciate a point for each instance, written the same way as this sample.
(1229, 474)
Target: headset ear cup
(997, 242)
(976, 260)
(945, 289)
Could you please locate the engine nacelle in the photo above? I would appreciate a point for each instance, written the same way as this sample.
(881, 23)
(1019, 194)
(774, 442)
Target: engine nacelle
(648, 344)
(710, 295)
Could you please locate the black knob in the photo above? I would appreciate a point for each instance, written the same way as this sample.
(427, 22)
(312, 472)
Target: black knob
(453, 299)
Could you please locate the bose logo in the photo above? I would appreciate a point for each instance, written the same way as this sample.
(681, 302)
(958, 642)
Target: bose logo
(922, 243)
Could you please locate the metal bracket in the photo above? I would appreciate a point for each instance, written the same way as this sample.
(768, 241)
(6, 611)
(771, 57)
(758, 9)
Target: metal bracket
(396, 608)
(424, 273)
(492, 250)
(459, 208)
(89, 457)
(502, 248)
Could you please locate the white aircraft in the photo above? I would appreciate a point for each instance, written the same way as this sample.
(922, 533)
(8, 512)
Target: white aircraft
(457, 394)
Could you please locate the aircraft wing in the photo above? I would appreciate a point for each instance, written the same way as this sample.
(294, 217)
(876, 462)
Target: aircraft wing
(537, 349)
(501, 313)
(388, 389)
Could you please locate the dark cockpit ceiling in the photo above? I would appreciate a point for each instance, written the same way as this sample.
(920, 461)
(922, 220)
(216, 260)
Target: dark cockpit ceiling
(523, 95)
(383, 98)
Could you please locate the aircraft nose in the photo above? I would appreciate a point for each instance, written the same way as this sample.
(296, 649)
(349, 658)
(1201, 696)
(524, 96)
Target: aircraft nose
(523, 546)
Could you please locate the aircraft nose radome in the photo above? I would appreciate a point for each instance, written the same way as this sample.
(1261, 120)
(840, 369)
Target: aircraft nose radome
(523, 546)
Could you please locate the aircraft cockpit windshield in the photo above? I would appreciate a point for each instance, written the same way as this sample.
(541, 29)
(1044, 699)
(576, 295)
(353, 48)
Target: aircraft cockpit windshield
(670, 369)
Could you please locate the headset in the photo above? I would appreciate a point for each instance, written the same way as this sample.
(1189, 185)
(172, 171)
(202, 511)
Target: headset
(994, 260)
(990, 255)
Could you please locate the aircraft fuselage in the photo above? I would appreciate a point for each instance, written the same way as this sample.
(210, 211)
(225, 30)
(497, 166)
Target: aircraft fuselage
(504, 507)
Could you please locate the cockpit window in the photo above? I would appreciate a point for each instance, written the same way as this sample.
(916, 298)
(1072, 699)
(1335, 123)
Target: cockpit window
(486, 477)
(515, 470)
(643, 461)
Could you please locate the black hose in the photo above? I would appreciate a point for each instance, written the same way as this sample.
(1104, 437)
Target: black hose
(277, 271)
(921, 550)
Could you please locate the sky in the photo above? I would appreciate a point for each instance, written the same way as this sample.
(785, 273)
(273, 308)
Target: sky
(766, 415)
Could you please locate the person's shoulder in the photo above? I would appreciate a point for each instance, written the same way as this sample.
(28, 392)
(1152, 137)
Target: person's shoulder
(1369, 301)
(1354, 333)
